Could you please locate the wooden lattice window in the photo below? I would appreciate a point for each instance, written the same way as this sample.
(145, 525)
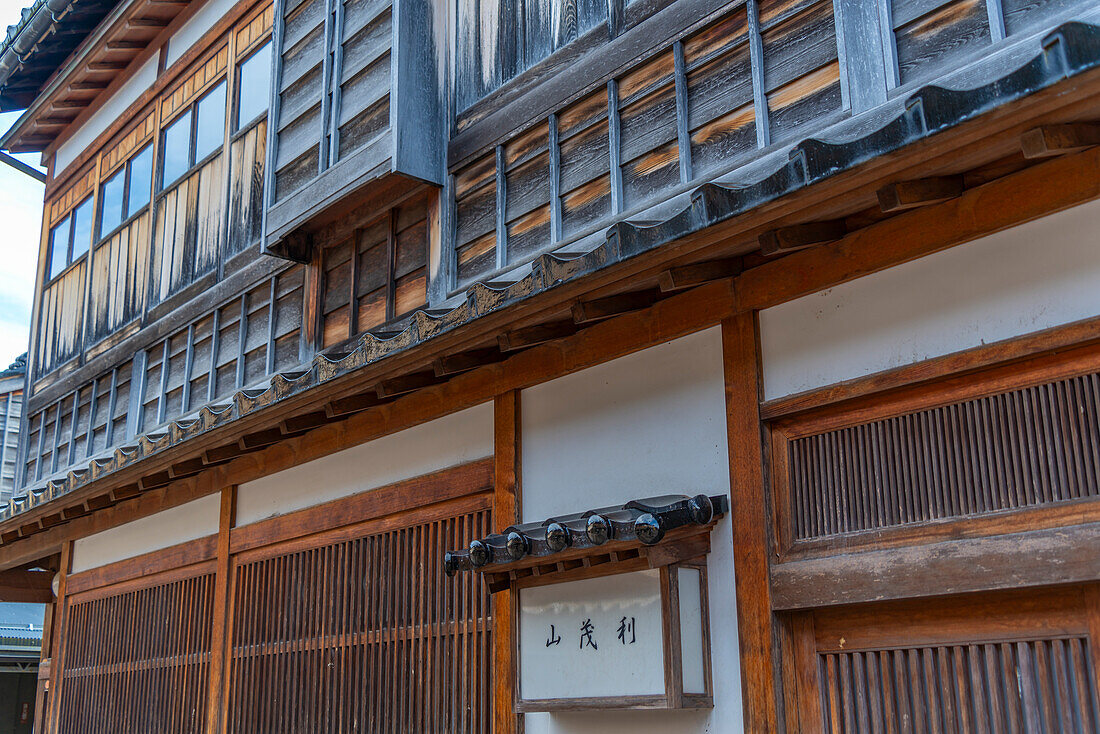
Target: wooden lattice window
(863, 470)
(137, 660)
(1005, 662)
(362, 632)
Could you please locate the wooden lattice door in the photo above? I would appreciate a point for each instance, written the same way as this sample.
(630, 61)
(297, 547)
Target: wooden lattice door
(361, 632)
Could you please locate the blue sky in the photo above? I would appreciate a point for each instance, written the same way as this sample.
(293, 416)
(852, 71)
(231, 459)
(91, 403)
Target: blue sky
(20, 222)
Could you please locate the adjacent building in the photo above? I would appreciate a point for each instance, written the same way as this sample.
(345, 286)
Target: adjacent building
(11, 411)
(561, 367)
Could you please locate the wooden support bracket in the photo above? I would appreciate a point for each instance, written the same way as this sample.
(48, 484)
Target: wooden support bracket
(604, 308)
(529, 336)
(1050, 140)
(689, 276)
(904, 195)
(453, 364)
(351, 404)
(407, 383)
(801, 236)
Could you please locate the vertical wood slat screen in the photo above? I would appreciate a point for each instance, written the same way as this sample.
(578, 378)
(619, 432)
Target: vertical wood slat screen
(1032, 446)
(137, 661)
(1038, 686)
(363, 635)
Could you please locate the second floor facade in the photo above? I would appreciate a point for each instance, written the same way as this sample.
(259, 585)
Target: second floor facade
(235, 188)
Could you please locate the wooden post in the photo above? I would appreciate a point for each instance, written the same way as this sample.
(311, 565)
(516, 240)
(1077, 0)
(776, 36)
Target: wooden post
(219, 623)
(506, 507)
(748, 511)
(45, 660)
(57, 641)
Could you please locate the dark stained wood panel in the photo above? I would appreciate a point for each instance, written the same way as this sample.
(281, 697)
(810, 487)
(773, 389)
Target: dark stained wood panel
(1029, 447)
(60, 332)
(137, 661)
(189, 230)
(941, 39)
(120, 277)
(682, 110)
(362, 635)
(207, 360)
(1033, 685)
(378, 274)
(246, 187)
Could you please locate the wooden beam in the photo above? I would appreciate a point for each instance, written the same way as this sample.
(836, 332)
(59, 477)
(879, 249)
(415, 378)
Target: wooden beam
(1049, 140)
(1034, 192)
(57, 656)
(800, 236)
(26, 586)
(585, 312)
(530, 336)
(1032, 558)
(670, 318)
(507, 506)
(107, 65)
(453, 364)
(352, 404)
(904, 195)
(123, 44)
(407, 383)
(751, 522)
(220, 642)
(689, 276)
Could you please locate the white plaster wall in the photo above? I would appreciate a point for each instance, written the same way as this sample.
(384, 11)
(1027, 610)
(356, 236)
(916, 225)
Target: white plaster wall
(190, 32)
(646, 424)
(111, 110)
(1032, 277)
(454, 439)
(189, 521)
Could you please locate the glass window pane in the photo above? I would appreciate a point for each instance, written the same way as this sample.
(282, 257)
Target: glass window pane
(82, 228)
(211, 122)
(59, 247)
(177, 142)
(141, 180)
(255, 86)
(111, 209)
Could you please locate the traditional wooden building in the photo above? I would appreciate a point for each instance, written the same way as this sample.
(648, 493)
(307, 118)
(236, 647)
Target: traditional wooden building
(11, 411)
(558, 366)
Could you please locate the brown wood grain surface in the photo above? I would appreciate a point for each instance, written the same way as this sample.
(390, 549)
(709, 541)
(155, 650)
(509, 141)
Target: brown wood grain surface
(750, 516)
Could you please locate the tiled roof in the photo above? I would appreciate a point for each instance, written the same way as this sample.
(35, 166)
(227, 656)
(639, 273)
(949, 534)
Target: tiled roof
(1067, 51)
(645, 521)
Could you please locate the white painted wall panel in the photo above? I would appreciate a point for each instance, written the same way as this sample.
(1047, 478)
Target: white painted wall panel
(189, 521)
(101, 119)
(1025, 279)
(454, 439)
(197, 25)
(646, 424)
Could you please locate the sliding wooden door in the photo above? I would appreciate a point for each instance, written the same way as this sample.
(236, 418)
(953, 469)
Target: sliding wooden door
(335, 618)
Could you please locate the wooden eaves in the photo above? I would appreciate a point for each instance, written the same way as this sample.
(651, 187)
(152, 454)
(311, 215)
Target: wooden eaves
(113, 43)
(385, 385)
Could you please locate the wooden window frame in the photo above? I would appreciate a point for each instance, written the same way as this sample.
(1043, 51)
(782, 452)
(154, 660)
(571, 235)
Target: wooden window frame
(70, 217)
(251, 26)
(191, 108)
(124, 169)
(238, 126)
(965, 376)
